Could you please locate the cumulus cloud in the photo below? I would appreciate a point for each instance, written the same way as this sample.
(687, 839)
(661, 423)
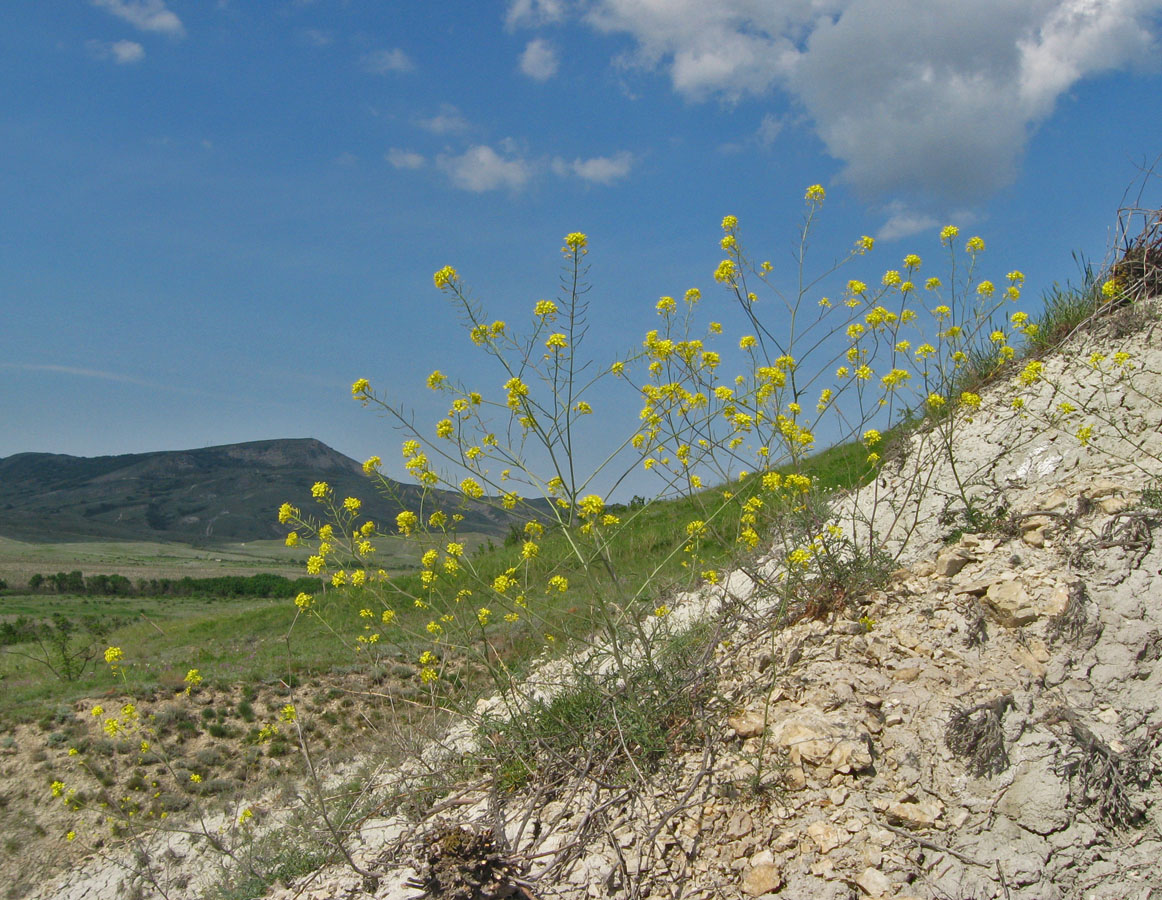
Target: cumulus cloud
(955, 116)
(730, 48)
(534, 12)
(404, 159)
(121, 52)
(539, 60)
(597, 169)
(448, 120)
(145, 15)
(381, 62)
(904, 222)
(481, 168)
(917, 96)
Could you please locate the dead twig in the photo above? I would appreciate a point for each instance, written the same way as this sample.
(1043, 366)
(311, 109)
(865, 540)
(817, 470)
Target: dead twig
(932, 845)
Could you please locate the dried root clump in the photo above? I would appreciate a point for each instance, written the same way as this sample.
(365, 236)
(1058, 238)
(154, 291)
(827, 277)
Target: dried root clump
(975, 734)
(463, 864)
(1132, 530)
(977, 632)
(1108, 778)
(1073, 624)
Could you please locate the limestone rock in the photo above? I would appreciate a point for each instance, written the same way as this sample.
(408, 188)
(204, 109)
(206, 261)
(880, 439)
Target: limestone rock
(952, 560)
(1033, 530)
(764, 879)
(747, 724)
(916, 815)
(1014, 603)
(806, 735)
(741, 824)
(874, 883)
(850, 756)
(826, 836)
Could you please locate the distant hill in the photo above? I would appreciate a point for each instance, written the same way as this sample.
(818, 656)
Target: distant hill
(207, 496)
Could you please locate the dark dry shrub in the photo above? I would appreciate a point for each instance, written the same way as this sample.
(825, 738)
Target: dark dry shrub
(219, 786)
(210, 757)
(977, 632)
(1072, 623)
(1108, 779)
(975, 734)
(465, 865)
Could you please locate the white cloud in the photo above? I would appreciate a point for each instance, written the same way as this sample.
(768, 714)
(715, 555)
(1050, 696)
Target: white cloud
(730, 47)
(125, 52)
(916, 96)
(768, 130)
(481, 168)
(534, 12)
(539, 60)
(597, 169)
(121, 52)
(381, 62)
(318, 38)
(904, 222)
(404, 159)
(74, 370)
(447, 121)
(145, 15)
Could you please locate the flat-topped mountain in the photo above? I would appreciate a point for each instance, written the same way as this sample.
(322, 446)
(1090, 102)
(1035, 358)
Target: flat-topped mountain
(210, 495)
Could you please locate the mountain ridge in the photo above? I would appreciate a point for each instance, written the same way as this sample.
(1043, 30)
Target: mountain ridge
(223, 493)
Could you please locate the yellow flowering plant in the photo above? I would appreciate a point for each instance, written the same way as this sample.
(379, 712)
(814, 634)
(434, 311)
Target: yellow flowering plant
(699, 426)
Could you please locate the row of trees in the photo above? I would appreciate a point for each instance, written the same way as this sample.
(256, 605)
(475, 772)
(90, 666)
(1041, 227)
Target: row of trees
(261, 585)
(76, 583)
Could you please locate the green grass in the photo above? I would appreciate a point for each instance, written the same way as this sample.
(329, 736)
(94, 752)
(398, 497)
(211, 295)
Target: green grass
(625, 727)
(142, 559)
(1064, 309)
(233, 641)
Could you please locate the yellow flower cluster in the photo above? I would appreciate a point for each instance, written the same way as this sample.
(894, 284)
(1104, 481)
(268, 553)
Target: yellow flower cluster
(726, 273)
(1032, 372)
(445, 277)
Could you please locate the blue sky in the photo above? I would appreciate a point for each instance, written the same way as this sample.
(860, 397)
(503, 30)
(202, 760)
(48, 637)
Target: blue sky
(217, 215)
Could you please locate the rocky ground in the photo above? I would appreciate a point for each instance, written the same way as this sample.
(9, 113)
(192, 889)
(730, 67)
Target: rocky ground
(985, 726)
